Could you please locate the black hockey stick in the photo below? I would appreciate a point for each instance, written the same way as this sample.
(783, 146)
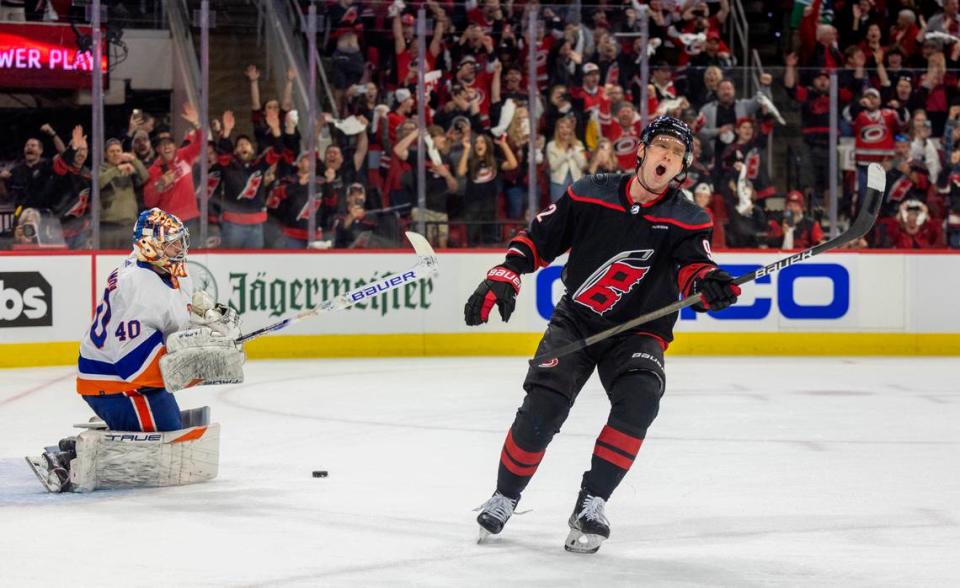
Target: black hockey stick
(869, 209)
(426, 266)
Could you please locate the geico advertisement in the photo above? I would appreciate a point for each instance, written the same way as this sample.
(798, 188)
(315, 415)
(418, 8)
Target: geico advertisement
(44, 298)
(834, 292)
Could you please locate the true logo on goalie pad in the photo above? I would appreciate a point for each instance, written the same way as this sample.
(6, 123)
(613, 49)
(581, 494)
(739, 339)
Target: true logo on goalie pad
(132, 437)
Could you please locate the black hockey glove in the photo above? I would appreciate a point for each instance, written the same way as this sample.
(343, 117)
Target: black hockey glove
(717, 291)
(501, 287)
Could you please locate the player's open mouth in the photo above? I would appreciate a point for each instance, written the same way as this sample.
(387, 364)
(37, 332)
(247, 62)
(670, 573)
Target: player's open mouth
(661, 169)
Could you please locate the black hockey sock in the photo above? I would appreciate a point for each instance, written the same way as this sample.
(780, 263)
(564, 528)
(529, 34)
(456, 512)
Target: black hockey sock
(538, 420)
(613, 454)
(635, 402)
(517, 466)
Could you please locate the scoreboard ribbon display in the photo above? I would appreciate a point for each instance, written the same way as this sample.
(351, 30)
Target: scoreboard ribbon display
(46, 56)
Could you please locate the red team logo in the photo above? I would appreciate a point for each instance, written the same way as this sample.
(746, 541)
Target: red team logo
(79, 208)
(752, 161)
(250, 190)
(626, 145)
(305, 212)
(874, 133)
(601, 291)
(213, 180)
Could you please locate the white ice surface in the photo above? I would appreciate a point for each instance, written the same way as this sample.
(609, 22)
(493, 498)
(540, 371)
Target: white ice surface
(758, 472)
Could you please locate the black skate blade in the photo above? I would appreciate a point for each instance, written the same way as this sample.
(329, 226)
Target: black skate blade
(578, 542)
(43, 474)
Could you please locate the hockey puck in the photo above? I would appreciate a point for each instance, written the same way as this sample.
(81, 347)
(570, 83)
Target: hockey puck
(319, 473)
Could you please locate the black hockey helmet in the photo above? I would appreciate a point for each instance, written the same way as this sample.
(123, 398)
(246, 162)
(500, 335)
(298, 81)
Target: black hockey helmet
(667, 125)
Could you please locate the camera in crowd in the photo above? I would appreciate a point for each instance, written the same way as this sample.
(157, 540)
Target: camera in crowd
(789, 218)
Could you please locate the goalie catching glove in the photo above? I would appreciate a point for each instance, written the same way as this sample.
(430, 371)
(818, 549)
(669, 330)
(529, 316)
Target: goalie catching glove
(207, 312)
(207, 353)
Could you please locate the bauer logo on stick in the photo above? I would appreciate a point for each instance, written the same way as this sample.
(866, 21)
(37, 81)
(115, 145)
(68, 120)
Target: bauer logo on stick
(784, 263)
(383, 285)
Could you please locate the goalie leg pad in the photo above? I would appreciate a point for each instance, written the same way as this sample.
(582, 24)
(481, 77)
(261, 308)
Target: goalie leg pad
(129, 459)
(202, 365)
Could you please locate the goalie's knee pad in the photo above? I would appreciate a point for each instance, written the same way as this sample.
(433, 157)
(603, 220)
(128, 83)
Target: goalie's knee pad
(117, 459)
(195, 417)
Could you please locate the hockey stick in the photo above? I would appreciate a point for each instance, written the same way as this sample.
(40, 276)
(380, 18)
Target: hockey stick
(426, 266)
(876, 183)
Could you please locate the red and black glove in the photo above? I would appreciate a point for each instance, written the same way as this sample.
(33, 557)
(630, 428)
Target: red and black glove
(717, 291)
(501, 288)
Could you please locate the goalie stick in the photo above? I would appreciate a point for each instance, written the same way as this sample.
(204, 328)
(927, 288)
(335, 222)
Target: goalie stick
(870, 208)
(427, 265)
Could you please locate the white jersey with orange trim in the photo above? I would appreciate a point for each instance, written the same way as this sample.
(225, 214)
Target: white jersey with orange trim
(121, 350)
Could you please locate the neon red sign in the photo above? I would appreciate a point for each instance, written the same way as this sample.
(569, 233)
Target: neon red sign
(45, 56)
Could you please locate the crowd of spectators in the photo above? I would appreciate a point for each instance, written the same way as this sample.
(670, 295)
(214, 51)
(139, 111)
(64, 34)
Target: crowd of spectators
(477, 134)
(135, 13)
(896, 65)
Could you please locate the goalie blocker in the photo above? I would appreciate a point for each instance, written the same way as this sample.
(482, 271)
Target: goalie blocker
(200, 356)
(207, 353)
(104, 459)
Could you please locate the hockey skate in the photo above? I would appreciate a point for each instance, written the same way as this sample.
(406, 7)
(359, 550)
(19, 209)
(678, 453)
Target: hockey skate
(589, 526)
(494, 514)
(51, 470)
(53, 467)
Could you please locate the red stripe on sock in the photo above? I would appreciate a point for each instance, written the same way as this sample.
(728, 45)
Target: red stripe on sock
(613, 457)
(143, 413)
(512, 466)
(613, 437)
(520, 455)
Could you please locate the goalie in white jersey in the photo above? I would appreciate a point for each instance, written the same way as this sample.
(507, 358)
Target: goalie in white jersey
(151, 335)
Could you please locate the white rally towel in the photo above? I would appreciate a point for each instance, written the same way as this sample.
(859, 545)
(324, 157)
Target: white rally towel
(350, 125)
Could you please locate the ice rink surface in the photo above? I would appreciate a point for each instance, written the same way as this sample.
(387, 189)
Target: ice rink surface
(758, 472)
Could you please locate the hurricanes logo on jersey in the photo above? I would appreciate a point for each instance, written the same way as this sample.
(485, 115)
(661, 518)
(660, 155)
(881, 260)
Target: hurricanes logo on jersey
(626, 144)
(900, 189)
(874, 133)
(306, 210)
(277, 195)
(250, 190)
(752, 161)
(613, 74)
(213, 180)
(601, 291)
(820, 105)
(79, 208)
(542, 55)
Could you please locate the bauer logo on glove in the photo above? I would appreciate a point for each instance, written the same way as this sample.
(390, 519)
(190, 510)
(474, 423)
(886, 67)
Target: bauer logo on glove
(501, 288)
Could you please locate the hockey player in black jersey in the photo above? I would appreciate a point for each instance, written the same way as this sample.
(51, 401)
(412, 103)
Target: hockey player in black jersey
(635, 244)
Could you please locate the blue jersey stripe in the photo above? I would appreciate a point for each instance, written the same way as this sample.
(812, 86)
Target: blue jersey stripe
(128, 365)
